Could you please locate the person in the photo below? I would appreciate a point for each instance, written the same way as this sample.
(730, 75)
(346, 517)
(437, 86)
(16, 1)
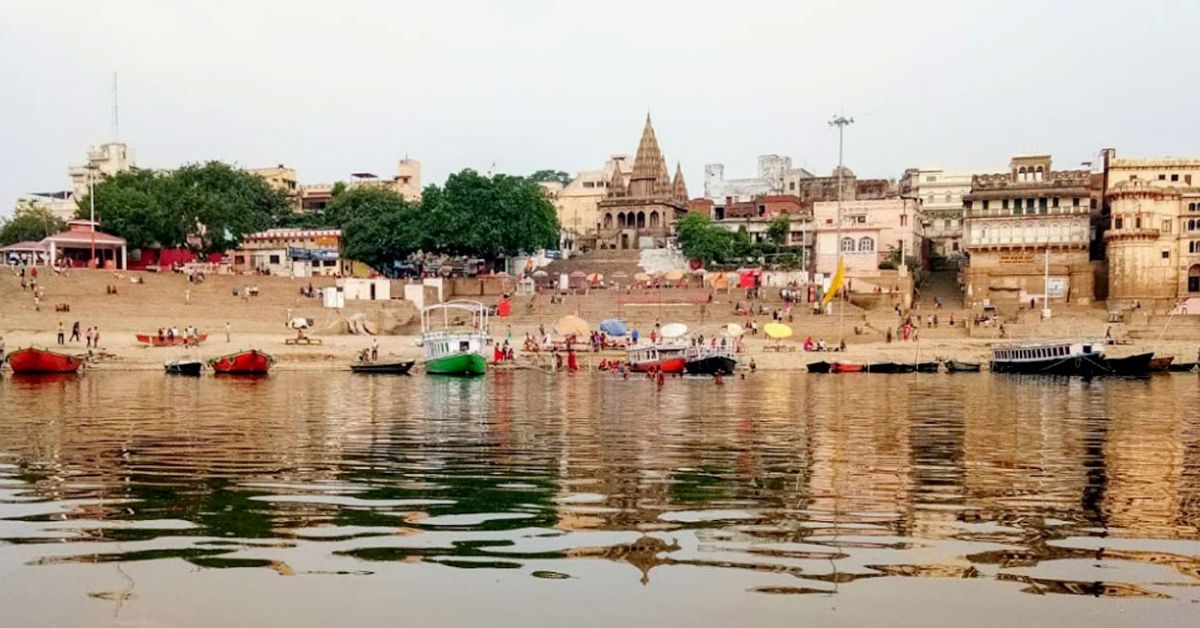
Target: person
(753, 365)
(1108, 337)
(96, 337)
(226, 331)
(889, 334)
(62, 336)
(374, 349)
(634, 335)
(821, 345)
(75, 332)
(161, 334)
(654, 334)
(572, 362)
(187, 296)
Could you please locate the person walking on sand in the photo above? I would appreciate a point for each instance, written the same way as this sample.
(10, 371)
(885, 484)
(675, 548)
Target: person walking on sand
(227, 331)
(96, 337)
(374, 349)
(88, 337)
(75, 332)
(62, 337)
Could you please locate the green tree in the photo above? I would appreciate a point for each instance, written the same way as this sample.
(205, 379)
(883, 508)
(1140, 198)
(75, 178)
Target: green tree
(378, 225)
(29, 224)
(777, 231)
(138, 205)
(700, 239)
(488, 217)
(545, 176)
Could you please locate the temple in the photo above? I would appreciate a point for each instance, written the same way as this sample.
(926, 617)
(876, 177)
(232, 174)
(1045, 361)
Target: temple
(642, 205)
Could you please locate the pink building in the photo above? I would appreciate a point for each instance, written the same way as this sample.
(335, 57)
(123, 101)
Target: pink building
(871, 232)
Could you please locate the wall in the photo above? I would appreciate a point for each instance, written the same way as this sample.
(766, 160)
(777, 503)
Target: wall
(1015, 276)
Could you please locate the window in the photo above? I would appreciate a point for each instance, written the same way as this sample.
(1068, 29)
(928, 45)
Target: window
(791, 185)
(866, 245)
(1133, 177)
(1137, 222)
(1075, 202)
(946, 224)
(1055, 201)
(1166, 226)
(985, 204)
(1017, 202)
(1043, 203)
(1166, 255)
(1004, 203)
(274, 259)
(1162, 177)
(1174, 177)
(1118, 223)
(930, 179)
(903, 220)
(1192, 207)
(1187, 178)
(847, 245)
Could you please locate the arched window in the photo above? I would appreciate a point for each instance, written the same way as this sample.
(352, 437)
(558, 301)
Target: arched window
(847, 245)
(641, 220)
(1021, 174)
(866, 245)
(608, 221)
(621, 220)
(653, 220)
(1191, 207)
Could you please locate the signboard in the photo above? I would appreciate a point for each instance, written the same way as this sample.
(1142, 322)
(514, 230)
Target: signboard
(1056, 287)
(317, 254)
(1016, 257)
(551, 254)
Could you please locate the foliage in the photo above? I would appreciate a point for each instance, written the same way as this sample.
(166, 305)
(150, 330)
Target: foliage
(892, 260)
(699, 238)
(378, 225)
(777, 231)
(488, 217)
(545, 176)
(29, 224)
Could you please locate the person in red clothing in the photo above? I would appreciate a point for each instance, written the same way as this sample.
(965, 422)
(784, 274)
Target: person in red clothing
(572, 363)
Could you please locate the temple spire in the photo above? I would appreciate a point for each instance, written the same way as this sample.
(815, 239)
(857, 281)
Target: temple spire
(678, 187)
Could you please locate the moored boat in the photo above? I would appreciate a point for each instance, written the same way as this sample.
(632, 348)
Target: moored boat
(1182, 367)
(252, 362)
(450, 351)
(1159, 365)
(818, 367)
(702, 361)
(1137, 365)
(845, 367)
(655, 358)
(956, 366)
(154, 341)
(184, 367)
(1051, 358)
(390, 368)
(928, 367)
(889, 368)
(33, 361)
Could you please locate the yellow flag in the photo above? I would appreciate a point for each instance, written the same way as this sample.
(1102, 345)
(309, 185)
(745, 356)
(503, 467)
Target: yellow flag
(836, 284)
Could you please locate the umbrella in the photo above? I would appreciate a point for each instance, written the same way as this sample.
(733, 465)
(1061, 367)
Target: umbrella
(614, 327)
(577, 274)
(595, 278)
(539, 273)
(572, 326)
(777, 331)
(674, 330)
(733, 330)
(674, 275)
(720, 281)
(643, 278)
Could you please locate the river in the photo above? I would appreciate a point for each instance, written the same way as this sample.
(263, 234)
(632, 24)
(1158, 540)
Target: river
(782, 499)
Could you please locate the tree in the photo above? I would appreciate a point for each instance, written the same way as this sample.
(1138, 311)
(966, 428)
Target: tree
(30, 224)
(777, 231)
(378, 225)
(700, 239)
(546, 176)
(138, 205)
(488, 217)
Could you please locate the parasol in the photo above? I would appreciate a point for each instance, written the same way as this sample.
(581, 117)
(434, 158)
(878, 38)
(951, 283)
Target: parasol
(674, 330)
(539, 273)
(613, 327)
(572, 326)
(733, 330)
(577, 274)
(673, 275)
(777, 331)
(595, 278)
(643, 278)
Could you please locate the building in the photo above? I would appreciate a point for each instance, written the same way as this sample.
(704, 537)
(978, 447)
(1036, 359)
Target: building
(291, 252)
(1154, 235)
(816, 189)
(941, 193)
(72, 247)
(105, 160)
(577, 202)
(872, 232)
(60, 204)
(773, 171)
(279, 178)
(315, 196)
(756, 217)
(1020, 221)
(640, 208)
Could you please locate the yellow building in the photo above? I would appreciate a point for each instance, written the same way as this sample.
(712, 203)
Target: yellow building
(577, 202)
(1154, 235)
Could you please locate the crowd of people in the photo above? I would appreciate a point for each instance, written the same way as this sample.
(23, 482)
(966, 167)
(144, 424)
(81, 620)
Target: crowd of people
(91, 336)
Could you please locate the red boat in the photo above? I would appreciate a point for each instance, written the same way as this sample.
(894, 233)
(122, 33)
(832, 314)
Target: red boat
(32, 361)
(251, 362)
(154, 341)
(654, 358)
(845, 367)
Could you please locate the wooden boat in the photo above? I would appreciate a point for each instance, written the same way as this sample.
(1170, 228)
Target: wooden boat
(702, 361)
(154, 341)
(31, 361)
(954, 366)
(1182, 367)
(1159, 365)
(1137, 365)
(845, 367)
(390, 368)
(185, 366)
(818, 367)
(451, 351)
(252, 362)
(928, 367)
(889, 368)
(1050, 358)
(654, 358)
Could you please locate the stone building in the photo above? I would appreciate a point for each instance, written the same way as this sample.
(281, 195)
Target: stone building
(640, 208)
(407, 183)
(871, 231)
(773, 173)
(1154, 236)
(105, 160)
(941, 193)
(1015, 221)
(577, 202)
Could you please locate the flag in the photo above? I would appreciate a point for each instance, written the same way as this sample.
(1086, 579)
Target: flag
(836, 283)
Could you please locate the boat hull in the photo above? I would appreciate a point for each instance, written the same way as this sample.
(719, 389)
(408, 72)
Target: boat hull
(388, 368)
(244, 363)
(818, 367)
(1159, 365)
(192, 367)
(153, 341)
(457, 364)
(954, 366)
(711, 365)
(889, 368)
(1088, 365)
(669, 365)
(38, 362)
(845, 367)
(1134, 365)
(1181, 367)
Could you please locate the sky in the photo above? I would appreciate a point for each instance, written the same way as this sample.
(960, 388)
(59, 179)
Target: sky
(331, 88)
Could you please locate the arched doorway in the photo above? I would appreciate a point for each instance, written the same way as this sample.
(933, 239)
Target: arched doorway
(621, 220)
(624, 240)
(608, 221)
(653, 220)
(641, 220)
(1194, 279)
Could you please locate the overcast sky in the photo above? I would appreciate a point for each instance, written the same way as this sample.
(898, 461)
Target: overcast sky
(331, 88)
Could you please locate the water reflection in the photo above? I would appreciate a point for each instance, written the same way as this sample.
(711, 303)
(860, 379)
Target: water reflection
(815, 483)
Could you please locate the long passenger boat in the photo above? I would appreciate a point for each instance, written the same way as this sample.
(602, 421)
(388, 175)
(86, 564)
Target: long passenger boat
(666, 358)
(709, 361)
(451, 351)
(1066, 358)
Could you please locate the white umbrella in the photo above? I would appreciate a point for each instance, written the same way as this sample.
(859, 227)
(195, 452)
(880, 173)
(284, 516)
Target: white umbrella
(674, 330)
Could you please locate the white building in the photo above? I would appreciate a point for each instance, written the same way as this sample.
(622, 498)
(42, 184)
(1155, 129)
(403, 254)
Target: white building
(871, 231)
(104, 160)
(773, 172)
(941, 193)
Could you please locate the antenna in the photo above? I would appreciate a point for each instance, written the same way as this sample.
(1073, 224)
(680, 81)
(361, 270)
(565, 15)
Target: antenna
(116, 116)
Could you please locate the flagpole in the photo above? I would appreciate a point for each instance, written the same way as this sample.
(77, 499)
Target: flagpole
(841, 122)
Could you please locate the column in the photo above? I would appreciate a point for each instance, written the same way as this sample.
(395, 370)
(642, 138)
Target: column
(53, 253)
(124, 258)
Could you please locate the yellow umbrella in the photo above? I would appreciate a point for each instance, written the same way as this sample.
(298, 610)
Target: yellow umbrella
(720, 281)
(572, 326)
(777, 331)
(642, 278)
(674, 275)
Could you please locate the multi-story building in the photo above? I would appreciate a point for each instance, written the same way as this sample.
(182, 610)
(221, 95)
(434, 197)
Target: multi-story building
(757, 215)
(280, 178)
(577, 202)
(941, 193)
(871, 232)
(773, 172)
(640, 208)
(1154, 236)
(105, 160)
(291, 252)
(1022, 221)
(407, 182)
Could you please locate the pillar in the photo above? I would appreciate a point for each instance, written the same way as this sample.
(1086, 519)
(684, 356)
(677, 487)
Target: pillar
(124, 258)
(53, 253)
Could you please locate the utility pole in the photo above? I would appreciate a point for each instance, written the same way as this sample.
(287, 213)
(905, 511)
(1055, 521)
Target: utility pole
(91, 170)
(841, 122)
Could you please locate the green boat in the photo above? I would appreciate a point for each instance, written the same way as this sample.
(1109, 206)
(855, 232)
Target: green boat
(455, 346)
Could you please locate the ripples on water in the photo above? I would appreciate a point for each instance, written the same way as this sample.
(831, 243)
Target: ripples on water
(127, 496)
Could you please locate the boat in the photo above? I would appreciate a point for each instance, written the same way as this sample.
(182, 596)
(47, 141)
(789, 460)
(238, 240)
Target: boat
(252, 362)
(451, 351)
(1182, 367)
(889, 368)
(1158, 365)
(845, 367)
(32, 361)
(709, 361)
(928, 367)
(186, 366)
(818, 367)
(955, 366)
(663, 357)
(1137, 365)
(391, 368)
(1051, 358)
(154, 341)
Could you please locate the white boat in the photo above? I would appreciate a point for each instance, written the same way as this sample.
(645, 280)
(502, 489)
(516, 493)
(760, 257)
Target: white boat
(454, 346)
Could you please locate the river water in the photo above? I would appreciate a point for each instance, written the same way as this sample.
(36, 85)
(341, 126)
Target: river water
(318, 499)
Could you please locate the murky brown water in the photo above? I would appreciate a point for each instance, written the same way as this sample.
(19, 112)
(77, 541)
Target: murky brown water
(784, 499)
